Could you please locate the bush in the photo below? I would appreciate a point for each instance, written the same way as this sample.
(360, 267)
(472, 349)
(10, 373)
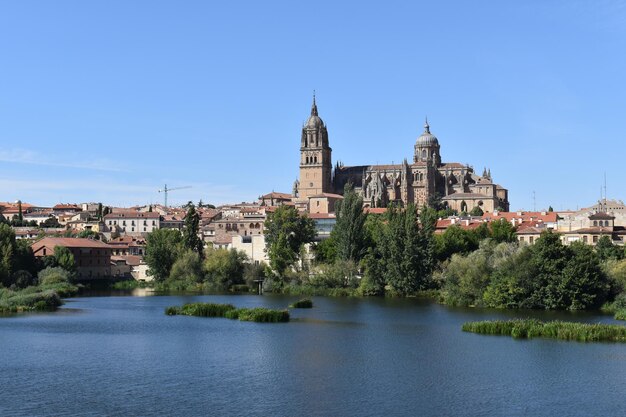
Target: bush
(173, 311)
(303, 303)
(53, 275)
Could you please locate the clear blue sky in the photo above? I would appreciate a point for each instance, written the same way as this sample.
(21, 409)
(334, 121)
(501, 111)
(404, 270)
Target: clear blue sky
(107, 101)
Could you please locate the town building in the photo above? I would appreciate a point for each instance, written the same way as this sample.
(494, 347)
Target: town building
(92, 257)
(132, 222)
(417, 181)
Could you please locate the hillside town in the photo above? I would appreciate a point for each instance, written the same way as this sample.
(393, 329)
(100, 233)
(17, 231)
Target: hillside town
(109, 242)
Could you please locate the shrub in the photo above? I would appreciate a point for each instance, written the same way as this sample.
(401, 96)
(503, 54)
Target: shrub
(303, 303)
(173, 310)
(53, 275)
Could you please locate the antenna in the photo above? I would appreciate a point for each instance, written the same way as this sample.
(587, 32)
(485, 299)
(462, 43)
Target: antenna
(605, 191)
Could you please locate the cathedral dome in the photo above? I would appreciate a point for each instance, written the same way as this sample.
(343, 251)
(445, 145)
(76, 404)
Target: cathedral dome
(427, 138)
(313, 122)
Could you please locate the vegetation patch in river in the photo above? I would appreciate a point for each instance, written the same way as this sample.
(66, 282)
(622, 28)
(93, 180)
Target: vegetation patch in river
(258, 314)
(529, 328)
(303, 303)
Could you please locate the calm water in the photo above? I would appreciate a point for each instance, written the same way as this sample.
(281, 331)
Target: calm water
(121, 356)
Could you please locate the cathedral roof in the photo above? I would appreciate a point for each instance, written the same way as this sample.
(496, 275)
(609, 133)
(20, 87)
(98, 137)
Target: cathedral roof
(427, 138)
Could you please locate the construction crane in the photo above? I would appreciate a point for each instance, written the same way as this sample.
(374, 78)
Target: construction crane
(166, 190)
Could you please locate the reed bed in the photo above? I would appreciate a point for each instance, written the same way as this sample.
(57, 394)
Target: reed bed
(303, 303)
(258, 314)
(562, 330)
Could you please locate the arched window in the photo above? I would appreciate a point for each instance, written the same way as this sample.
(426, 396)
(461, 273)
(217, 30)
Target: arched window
(606, 223)
(595, 223)
(424, 154)
(315, 159)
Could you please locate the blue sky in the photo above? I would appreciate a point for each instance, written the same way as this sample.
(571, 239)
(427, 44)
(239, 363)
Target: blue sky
(108, 101)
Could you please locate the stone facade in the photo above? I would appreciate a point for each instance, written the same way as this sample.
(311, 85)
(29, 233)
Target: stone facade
(426, 176)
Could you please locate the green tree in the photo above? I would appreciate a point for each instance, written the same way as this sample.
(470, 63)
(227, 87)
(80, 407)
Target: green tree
(7, 251)
(349, 232)
(187, 268)
(162, 249)
(476, 211)
(607, 250)
(224, 268)
(455, 240)
(502, 231)
(326, 250)
(286, 231)
(64, 258)
(191, 230)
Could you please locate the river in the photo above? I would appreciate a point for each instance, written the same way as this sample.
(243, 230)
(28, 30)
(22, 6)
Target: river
(121, 356)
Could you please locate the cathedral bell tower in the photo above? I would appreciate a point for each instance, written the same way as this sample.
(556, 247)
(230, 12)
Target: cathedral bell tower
(315, 157)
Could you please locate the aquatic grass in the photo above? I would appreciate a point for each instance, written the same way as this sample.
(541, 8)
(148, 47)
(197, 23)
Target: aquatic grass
(263, 315)
(303, 303)
(257, 314)
(206, 309)
(561, 330)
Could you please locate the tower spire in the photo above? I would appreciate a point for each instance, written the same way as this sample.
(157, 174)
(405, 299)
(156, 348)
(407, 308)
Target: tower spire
(314, 106)
(426, 126)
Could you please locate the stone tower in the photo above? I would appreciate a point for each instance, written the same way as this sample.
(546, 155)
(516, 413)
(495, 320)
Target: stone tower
(315, 157)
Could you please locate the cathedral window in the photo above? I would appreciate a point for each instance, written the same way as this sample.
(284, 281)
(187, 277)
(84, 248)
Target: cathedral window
(424, 154)
(315, 159)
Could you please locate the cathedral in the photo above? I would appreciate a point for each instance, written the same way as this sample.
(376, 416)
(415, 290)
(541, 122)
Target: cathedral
(425, 176)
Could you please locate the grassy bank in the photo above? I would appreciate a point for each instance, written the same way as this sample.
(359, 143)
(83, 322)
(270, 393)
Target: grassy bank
(258, 314)
(529, 328)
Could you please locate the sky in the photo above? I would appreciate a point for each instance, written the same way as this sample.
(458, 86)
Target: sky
(109, 101)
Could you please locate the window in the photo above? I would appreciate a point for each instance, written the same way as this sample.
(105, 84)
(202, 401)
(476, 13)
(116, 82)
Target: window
(595, 223)
(153, 223)
(584, 239)
(595, 239)
(144, 229)
(133, 229)
(606, 223)
(124, 223)
(531, 239)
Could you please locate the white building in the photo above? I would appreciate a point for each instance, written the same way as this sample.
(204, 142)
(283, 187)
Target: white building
(132, 222)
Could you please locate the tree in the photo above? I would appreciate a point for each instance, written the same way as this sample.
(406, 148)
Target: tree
(191, 230)
(476, 211)
(50, 222)
(286, 231)
(224, 268)
(20, 215)
(7, 251)
(455, 240)
(502, 231)
(550, 209)
(162, 249)
(99, 212)
(64, 258)
(349, 233)
(607, 250)
(187, 268)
